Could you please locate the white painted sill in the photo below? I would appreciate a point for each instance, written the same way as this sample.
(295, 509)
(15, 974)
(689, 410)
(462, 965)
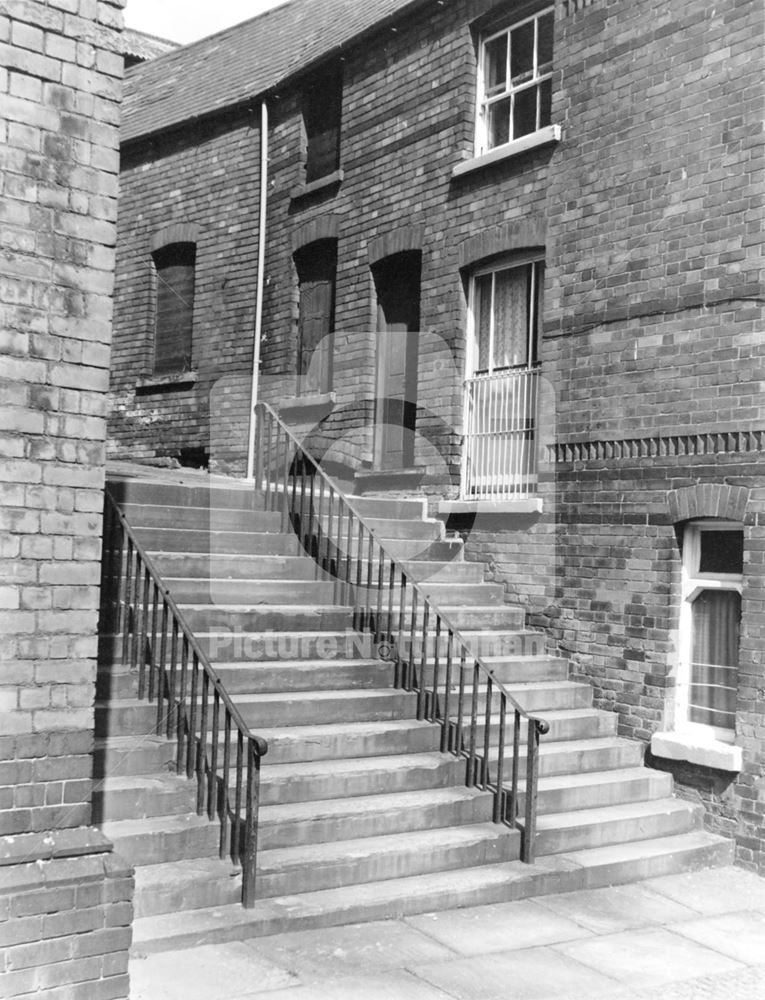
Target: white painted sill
(523, 505)
(697, 749)
(545, 136)
(170, 379)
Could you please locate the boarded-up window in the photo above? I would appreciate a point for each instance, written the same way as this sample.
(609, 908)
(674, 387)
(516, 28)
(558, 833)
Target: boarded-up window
(175, 307)
(322, 106)
(316, 267)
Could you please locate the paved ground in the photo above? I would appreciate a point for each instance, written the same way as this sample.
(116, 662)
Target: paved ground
(699, 936)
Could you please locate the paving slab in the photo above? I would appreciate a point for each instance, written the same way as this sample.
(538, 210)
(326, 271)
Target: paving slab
(740, 935)
(716, 890)
(530, 974)
(387, 986)
(497, 927)
(616, 908)
(210, 972)
(648, 957)
(333, 952)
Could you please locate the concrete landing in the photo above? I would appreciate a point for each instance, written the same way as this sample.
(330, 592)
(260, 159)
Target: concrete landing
(696, 936)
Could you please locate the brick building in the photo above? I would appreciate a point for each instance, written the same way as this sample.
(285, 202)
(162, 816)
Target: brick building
(512, 260)
(65, 897)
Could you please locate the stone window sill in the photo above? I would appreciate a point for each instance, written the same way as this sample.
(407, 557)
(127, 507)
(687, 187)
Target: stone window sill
(545, 136)
(298, 404)
(172, 380)
(303, 190)
(523, 505)
(697, 749)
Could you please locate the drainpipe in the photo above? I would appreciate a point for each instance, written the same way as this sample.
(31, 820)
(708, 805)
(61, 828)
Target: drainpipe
(261, 281)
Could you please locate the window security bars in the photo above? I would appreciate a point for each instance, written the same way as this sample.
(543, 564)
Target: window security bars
(480, 720)
(499, 452)
(214, 744)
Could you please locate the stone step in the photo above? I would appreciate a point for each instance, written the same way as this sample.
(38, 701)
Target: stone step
(188, 541)
(567, 757)
(305, 675)
(314, 780)
(419, 550)
(560, 833)
(411, 508)
(395, 898)
(503, 617)
(188, 885)
(314, 822)
(385, 528)
(120, 797)
(212, 565)
(215, 493)
(590, 790)
(266, 617)
(215, 519)
(189, 590)
(152, 840)
(446, 594)
(123, 717)
(125, 755)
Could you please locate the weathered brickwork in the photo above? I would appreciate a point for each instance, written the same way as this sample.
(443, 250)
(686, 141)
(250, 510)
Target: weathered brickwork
(654, 338)
(649, 214)
(65, 918)
(60, 85)
(207, 176)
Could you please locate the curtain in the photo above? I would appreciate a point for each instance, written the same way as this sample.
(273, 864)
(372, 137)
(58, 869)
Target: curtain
(714, 657)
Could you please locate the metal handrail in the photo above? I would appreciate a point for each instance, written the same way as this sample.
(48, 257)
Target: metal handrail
(278, 451)
(150, 621)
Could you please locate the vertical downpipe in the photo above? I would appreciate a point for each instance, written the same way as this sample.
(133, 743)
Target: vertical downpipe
(261, 281)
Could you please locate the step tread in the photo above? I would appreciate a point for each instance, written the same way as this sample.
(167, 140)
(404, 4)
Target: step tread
(616, 776)
(600, 815)
(363, 804)
(412, 894)
(175, 823)
(280, 859)
(387, 763)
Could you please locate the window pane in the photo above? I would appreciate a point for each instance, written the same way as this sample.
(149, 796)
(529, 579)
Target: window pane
(722, 552)
(322, 108)
(545, 43)
(511, 317)
(716, 615)
(174, 307)
(525, 112)
(483, 320)
(495, 67)
(545, 103)
(499, 123)
(538, 316)
(522, 53)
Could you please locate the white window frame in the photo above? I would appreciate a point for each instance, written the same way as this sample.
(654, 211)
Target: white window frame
(482, 144)
(693, 582)
(501, 264)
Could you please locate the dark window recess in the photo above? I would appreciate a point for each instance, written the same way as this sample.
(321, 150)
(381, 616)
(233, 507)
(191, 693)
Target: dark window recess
(175, 307)
(722, 552)
(322, 106)
(316, 267)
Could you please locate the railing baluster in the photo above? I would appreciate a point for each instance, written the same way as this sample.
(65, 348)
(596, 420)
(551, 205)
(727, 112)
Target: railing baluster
(358, 612)
(190, 755)
(532, 775)
(446, 727)
(171, 683)
(436, 671)
(251, 825)
(461, 702)
(225, 778)
(153, 647)
(412, 629)
(236, 840)
(368, 602)
(202, 743)
(125, 616)
(499, 798)
(474, 727)
(179, 708)
(378, 633)
(485, 768)
(348, 547)
(421, 685)
(402, 654)
(156, 687)
(513, 814)
(391, 589)
(212, 774)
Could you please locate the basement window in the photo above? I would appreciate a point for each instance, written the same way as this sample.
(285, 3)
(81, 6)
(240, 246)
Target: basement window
(175, 270)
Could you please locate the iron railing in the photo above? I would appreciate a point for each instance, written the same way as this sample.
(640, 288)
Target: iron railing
(455, 688)
(499, 454)
(214, 745)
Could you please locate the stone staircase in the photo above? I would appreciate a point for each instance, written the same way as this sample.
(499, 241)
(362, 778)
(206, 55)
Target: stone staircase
(362, 817)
